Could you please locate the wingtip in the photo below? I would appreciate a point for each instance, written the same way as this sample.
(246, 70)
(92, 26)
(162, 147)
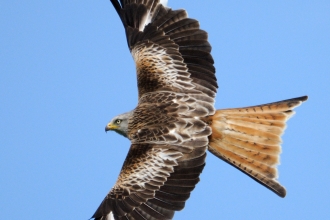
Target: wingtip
(304, 98)
(301, 98)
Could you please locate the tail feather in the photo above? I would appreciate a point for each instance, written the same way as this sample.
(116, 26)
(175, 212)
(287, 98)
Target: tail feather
(274, 126)
(245, 152)
(262, 148)
(245, 132)
(245, 162)
(249, 139)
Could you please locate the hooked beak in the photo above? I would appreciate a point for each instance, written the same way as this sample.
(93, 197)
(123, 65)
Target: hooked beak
(110, 127)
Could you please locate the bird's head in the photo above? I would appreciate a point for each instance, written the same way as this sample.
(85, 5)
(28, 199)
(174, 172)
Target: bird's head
(119, 124)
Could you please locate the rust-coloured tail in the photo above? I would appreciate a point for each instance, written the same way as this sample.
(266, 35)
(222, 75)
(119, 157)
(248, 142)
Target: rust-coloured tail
(249, 139)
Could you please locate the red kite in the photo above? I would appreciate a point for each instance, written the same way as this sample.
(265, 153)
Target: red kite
(175, 121)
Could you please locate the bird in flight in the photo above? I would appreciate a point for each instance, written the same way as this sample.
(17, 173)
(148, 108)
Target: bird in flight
(175, 122)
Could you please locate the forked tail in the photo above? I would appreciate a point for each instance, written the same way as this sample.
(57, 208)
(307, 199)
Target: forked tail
(249, 139)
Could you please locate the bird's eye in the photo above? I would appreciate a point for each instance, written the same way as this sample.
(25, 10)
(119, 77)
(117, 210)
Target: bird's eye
(118, 121)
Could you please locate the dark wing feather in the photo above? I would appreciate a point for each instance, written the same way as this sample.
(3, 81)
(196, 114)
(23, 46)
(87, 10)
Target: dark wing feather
(177, 86)
(174, 41)
(155, 181)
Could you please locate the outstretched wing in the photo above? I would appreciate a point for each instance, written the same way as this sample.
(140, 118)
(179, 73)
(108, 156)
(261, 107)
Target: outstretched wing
(171, 53)
(177, 86)
(154, 182)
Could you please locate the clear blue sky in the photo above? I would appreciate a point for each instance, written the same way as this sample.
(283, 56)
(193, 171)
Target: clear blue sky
(65, 71)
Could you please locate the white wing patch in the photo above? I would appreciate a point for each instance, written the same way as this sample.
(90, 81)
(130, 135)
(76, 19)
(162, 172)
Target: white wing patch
(172, 131)
(150, 14)
(110, 216)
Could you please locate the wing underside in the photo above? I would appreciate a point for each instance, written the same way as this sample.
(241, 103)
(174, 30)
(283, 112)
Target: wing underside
(177, 85)
(154, 182)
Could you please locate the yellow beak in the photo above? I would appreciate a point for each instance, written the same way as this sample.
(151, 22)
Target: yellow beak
(110, 127)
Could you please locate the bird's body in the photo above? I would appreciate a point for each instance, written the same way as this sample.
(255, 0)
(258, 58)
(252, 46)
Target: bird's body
(175, 121)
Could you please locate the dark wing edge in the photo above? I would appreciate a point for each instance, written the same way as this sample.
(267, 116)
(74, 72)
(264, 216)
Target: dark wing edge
(147, 22)
(116, 5)
(155, 181)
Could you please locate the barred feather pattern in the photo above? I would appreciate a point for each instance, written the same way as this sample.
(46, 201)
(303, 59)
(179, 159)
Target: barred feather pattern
(172, 45)
(175, 121)
(155, 181)
(249, 139)
(177, 86)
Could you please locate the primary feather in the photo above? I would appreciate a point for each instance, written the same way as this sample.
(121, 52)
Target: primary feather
(168, 135)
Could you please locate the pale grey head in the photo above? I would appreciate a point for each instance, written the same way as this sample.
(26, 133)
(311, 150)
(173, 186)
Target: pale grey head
(119, 123)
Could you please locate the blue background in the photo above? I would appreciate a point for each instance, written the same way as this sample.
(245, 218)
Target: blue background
(65, 71)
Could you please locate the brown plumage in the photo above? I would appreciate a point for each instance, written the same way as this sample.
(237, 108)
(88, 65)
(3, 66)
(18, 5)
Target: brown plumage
(175, 122)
